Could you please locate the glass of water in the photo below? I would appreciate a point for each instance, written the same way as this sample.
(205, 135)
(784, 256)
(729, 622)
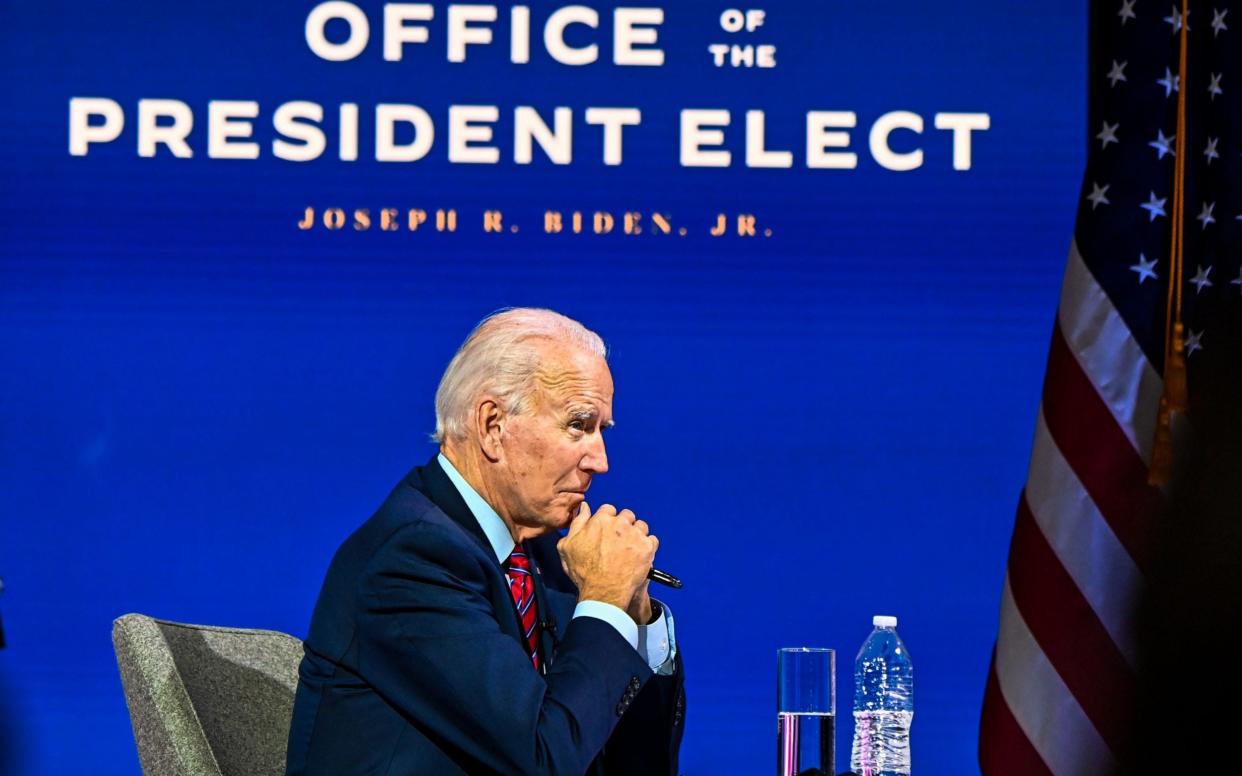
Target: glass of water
(806, 712)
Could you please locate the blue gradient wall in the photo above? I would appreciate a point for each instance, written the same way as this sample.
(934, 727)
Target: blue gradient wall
(200, 400)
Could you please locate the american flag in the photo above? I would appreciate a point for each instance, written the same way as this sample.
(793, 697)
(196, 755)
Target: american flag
(1064, 680)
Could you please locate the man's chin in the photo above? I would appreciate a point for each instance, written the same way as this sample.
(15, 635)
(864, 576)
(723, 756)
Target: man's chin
(565, 515)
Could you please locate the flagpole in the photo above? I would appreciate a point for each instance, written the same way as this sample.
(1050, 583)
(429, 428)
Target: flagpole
(1174, 397)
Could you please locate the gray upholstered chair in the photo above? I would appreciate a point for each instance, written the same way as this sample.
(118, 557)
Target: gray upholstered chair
(205, 700)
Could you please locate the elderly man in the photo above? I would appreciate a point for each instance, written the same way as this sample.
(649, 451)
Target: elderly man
(457, 632)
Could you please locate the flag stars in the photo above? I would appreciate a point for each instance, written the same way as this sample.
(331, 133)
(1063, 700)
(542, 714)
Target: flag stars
(1170, 82)
(1175, 20)
(1145, 269)
(1108, 134)
(1214, 87)
(1161, 144)
(1098, 195)
(1154, 207)
(1118, 73)
(1218, 21)
(1192, 342)
(1205, 215)
(1127, 11)
(1210, 152)
(1201, 280)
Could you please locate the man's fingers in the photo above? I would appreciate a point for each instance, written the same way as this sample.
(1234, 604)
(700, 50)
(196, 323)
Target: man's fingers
(627, 515)
(642, 527)
(606, 509)
(580, 519)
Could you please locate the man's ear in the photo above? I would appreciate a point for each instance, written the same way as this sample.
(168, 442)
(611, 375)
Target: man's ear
(489, 420)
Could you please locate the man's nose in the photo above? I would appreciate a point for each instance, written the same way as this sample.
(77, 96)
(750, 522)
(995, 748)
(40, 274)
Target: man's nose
(596, 459)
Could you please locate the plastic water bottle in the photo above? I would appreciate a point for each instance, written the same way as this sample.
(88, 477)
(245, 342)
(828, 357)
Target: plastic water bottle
(883, 703)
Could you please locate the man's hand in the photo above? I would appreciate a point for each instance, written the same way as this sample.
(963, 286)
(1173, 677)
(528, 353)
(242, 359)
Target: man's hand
(608, 555)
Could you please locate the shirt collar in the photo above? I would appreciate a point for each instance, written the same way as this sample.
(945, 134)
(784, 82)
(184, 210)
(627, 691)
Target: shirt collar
(493, 527)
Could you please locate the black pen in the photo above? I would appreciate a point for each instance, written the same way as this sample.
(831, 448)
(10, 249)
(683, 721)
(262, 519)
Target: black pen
(655, 575)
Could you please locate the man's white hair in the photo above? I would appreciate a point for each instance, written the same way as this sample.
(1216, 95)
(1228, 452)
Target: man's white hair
(500, 357)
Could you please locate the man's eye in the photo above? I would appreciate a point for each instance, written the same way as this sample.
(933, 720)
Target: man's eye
(577, 425)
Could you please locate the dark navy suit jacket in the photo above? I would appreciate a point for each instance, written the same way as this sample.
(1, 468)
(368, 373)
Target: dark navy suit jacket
(415, 662)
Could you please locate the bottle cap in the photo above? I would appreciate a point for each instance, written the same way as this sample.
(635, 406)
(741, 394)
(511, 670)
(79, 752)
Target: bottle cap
(884, 621)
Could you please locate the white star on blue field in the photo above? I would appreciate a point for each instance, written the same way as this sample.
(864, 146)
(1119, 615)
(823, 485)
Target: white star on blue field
(1201, 280)
(1154, 206)
(1108, 134)
(1170, 82)
(1145, 269)
(1161, 144)
(1098, 195)
(1118, 73)
(1205, 215)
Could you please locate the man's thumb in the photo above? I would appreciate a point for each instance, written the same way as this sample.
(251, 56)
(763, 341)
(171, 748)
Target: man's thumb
(580, 519)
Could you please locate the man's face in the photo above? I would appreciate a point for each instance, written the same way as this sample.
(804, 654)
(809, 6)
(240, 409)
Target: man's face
(552, 450)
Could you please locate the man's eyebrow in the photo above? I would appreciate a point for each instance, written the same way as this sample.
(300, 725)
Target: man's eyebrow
(589, 413)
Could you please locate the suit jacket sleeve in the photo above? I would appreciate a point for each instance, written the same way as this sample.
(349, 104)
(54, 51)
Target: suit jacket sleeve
(429, 641)
(647, 740)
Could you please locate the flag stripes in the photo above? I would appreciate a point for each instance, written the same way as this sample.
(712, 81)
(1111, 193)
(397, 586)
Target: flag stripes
(1063, 674)
(1042, 706)
(1103, 571)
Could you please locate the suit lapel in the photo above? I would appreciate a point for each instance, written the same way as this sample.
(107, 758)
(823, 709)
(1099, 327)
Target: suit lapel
(432, 482)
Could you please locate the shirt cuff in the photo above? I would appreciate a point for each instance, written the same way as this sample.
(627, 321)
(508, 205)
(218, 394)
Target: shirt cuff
(656, 642)
(612, 615)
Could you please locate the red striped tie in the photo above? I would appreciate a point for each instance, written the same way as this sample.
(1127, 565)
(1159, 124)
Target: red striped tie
(522, 585)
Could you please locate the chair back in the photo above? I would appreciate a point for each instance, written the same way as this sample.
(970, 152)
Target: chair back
(207, 700)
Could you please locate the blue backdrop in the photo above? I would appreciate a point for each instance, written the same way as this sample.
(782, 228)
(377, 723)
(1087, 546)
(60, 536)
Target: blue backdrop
(201, 400)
